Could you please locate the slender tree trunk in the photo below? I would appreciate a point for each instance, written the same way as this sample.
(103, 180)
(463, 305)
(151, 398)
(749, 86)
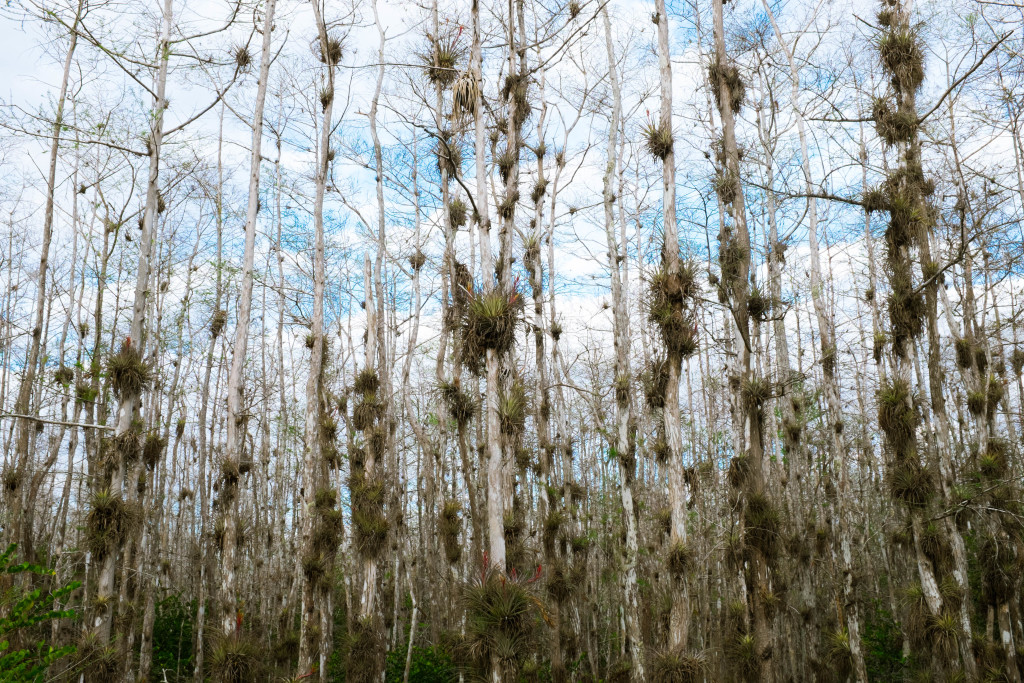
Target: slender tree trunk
(236, 419)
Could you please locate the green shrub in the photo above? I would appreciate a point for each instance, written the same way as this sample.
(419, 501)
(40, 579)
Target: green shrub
(429, 665)
(22, 612)
(883, 646)
(172, 640)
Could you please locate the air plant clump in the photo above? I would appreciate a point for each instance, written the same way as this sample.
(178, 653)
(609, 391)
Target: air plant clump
(793, 430)
(366, 381)
(893, 125)
(934, 543)
(838, 653)
(964, 352)
(552, 526)
(506, 161)
(235, 659)
(677, 666)
(761, 522)
(759, 304)
(369, 521)
(755, 392)
(906, 313)
(994, 395)
(523, 458)
(653, 380)
(539, 190)
(331, 55)
(110, 522)
(457, 213)
(441, 60)
(574, 9)
(980, 358)
(828, 359)
(742, 656)
(417, 260)
(242, 57)
(125, 447)
(449, 157)
(325, 535)
(507, 205)
(366, 647)
(579, 544)
(902, 57)
(1017, 361)
(97, 660)
(366, 413)
(878, 343)
(730, 256)
(503, 619)
(129, 375)
(64, 375)
(512, 409)
(874, 200)
(670, 308)
(726, 185)
(993, 464)
(660, 450)
(328, 429)
(489, 322)
(153, 450)
(1002, 562)
(460, 404)
(230, 471)
(658, 140)
(906, 220)
(769, 601)
(513, 526)
(559, 584)
(911, 483)
(739, 470)
(663, 521)
(729, 76)
(679, 559)
(11, 479)
(515, 90)
(976, 402)
(84, 393)
(450, 526)
(331, 456)
(944, 632)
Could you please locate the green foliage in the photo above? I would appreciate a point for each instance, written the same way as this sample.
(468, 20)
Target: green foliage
(883, 646)
(21, 614)
(431, 664)
(172, 640)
